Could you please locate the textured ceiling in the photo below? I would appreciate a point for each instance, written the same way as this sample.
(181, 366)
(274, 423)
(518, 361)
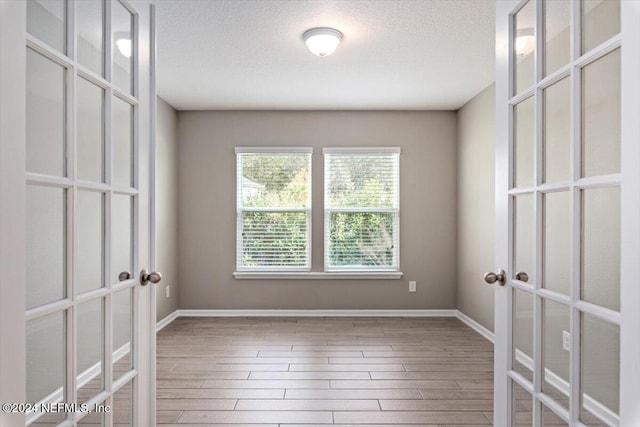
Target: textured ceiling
(396, 54)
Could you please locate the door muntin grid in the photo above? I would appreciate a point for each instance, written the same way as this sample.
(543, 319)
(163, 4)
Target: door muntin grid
(560, 224)
(81, 304)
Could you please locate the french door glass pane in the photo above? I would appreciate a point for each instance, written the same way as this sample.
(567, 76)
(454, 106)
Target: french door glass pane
(46, 21)
(46, 346)
(524, 143)
(601, 116)
(121, 235)
(122, 305)
(557, 140)
(522, 406)
(600, 369)
(523, 333)
(557, 51)
(601, 246)
(524, 235)
(90, 131)
(46, 108)
(550, 419)
(89, 25)
(122, 146)
(46, 245)
(557, 241)
(92, 419)
(90, 356)
(90, 232)
(600, 22)
(122, 29)
(123, 406)
(524, 47)
(555, 359)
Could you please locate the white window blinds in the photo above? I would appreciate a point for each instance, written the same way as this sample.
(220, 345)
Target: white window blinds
(273, 208)
(362, 207)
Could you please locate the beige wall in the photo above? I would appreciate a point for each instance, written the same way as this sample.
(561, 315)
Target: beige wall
(167, 208)
(476, 206)
(207, 218)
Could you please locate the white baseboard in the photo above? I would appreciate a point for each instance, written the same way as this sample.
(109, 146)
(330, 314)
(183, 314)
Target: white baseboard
(83, 378)
(590, 404)
(302, 313)
(475, 325)
(317, 313)
(164, 322)
(326, 313)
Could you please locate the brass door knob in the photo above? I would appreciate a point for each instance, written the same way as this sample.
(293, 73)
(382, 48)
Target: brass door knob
(146, 277)
(492, 277)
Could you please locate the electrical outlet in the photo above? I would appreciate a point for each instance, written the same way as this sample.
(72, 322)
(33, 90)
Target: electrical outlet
(412, 286)
(566, 340)
(167, 291)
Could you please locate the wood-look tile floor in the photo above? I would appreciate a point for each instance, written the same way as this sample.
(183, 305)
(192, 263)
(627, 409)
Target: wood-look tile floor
(319, 371)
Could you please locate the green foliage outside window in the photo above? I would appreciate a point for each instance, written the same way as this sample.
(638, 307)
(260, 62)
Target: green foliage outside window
(274, 239)
(280, 238)
(361, 239)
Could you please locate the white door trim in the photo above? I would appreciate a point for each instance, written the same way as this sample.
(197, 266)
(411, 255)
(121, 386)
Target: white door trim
(153, 159)
(630, 222)
(12, 214)
(502, 296)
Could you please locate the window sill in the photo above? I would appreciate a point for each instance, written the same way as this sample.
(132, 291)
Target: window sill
(320, 275)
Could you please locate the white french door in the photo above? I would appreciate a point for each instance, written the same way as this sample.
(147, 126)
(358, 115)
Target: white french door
(567, 213)
(77, 327)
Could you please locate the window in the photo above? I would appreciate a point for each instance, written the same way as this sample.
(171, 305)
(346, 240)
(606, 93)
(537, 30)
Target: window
(274, 209)
(361, 196)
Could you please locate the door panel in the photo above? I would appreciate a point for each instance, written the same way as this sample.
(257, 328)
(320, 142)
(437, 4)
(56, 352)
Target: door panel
(87, 326)
(46, 245)
(47, 20)
(601, 116)
(90, 35)
(90, 135)
(525, 50)
(560, 205)
(557, 132)
(46, 104)
(90, 351)
(601, 246)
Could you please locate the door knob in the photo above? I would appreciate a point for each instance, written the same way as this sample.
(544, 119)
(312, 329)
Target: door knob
(492, 277)
(125, 275)
(146, 277)
(522, 276)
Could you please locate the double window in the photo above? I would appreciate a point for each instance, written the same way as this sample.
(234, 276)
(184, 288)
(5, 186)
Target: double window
(361, 212)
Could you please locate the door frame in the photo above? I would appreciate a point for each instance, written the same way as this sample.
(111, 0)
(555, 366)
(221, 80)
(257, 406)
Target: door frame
(13, 208)
(153, 200)
(630, 221)
(630, 216)
(12, 202)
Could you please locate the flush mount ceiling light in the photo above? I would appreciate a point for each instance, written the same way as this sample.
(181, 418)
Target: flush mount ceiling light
(123, 42)
(322, 41)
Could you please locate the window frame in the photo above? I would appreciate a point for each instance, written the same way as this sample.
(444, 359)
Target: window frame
(240, 209)
(328, 268)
